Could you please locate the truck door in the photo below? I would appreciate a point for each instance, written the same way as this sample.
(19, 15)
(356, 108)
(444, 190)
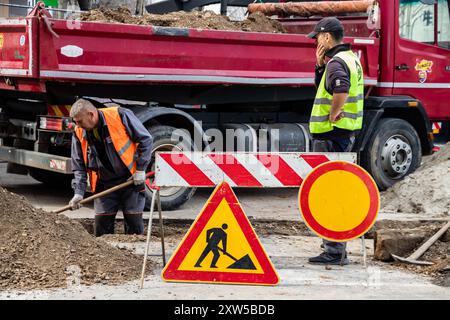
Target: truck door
(422, 54)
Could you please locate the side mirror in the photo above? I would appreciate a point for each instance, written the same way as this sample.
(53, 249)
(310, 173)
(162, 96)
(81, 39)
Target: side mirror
(373, 21)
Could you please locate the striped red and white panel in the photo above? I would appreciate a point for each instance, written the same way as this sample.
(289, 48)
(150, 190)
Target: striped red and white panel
(269, 170)
(436, 126)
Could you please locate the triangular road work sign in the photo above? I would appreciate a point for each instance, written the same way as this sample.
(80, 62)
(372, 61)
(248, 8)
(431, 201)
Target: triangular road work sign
(221, 247)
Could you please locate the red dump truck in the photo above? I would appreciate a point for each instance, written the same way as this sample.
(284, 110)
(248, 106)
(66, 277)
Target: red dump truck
(198, 80)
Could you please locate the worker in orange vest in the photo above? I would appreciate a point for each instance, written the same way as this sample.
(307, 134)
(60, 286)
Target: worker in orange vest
(110, 146)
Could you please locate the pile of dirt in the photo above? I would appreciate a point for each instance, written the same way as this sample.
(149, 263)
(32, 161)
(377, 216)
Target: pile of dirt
(425, 191)
(41, 250)
(256, 22)
(128, 238)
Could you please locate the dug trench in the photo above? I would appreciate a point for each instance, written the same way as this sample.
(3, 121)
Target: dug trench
(40, 249)
(390, 237)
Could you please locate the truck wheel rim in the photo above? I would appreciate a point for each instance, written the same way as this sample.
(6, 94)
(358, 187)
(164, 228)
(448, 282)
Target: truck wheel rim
(166, 191)
(396, 156)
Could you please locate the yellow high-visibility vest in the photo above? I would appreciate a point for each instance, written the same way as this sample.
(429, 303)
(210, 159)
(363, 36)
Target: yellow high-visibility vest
(124, 146)
(353, 107)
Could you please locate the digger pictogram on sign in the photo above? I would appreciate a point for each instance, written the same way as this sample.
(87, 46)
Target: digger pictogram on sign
(221, 247)
(213, 237)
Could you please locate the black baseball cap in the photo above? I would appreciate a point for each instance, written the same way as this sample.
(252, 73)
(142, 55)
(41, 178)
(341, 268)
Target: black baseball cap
(327, 24)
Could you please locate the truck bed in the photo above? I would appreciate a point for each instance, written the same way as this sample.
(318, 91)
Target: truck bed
(41, 53)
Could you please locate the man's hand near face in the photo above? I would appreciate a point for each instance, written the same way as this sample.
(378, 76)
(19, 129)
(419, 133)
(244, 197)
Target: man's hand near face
(320, 55)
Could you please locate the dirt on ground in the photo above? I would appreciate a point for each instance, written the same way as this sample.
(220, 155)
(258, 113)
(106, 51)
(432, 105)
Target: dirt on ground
(426, 191)
(439, 254)
(411, 235)
(178, 228)
(129, 238)
(256, 22)
(174, 231)
(39, 250)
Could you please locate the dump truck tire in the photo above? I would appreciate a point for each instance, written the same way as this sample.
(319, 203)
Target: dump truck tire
(393, 152)
(163, 140)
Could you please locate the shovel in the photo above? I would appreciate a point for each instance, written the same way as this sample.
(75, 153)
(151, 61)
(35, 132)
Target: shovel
(243, 263)
(103, 193)
(421, 250)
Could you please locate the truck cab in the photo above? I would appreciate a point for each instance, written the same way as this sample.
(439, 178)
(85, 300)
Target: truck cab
(414, 63)
(421, 56)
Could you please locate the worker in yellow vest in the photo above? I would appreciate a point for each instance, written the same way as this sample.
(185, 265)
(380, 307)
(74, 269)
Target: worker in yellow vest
(337, 111)
(110, 146)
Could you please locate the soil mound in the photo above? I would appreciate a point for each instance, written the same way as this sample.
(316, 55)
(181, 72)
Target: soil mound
(39, 249)
(256, 22)
(426, 191)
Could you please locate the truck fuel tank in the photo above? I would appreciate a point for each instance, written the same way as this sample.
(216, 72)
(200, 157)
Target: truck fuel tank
(276, 137)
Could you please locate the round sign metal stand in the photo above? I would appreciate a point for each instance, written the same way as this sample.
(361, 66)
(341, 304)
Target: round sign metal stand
(154, 192)
(339, 201)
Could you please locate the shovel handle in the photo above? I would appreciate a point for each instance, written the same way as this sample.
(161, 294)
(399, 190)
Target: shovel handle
(103, 193)
(416, 255)
(227, 254)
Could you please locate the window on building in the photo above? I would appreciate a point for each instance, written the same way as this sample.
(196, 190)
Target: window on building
(416, 20)
(443, 28)
(18, 11)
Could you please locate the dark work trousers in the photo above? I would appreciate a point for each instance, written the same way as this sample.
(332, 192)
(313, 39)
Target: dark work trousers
(334, 145)
(131, 200)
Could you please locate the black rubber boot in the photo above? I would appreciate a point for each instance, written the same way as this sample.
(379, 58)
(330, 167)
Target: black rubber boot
(104, 224)
(133, 223)
(327, 258)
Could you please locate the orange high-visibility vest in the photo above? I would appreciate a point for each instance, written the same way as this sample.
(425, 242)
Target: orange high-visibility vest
(124, 146)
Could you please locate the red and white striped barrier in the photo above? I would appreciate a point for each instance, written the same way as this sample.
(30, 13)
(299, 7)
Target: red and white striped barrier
(436, 126)
(269, 170)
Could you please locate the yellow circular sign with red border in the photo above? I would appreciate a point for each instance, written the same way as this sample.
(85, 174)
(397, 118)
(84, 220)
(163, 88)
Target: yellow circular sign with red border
(339, 201)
